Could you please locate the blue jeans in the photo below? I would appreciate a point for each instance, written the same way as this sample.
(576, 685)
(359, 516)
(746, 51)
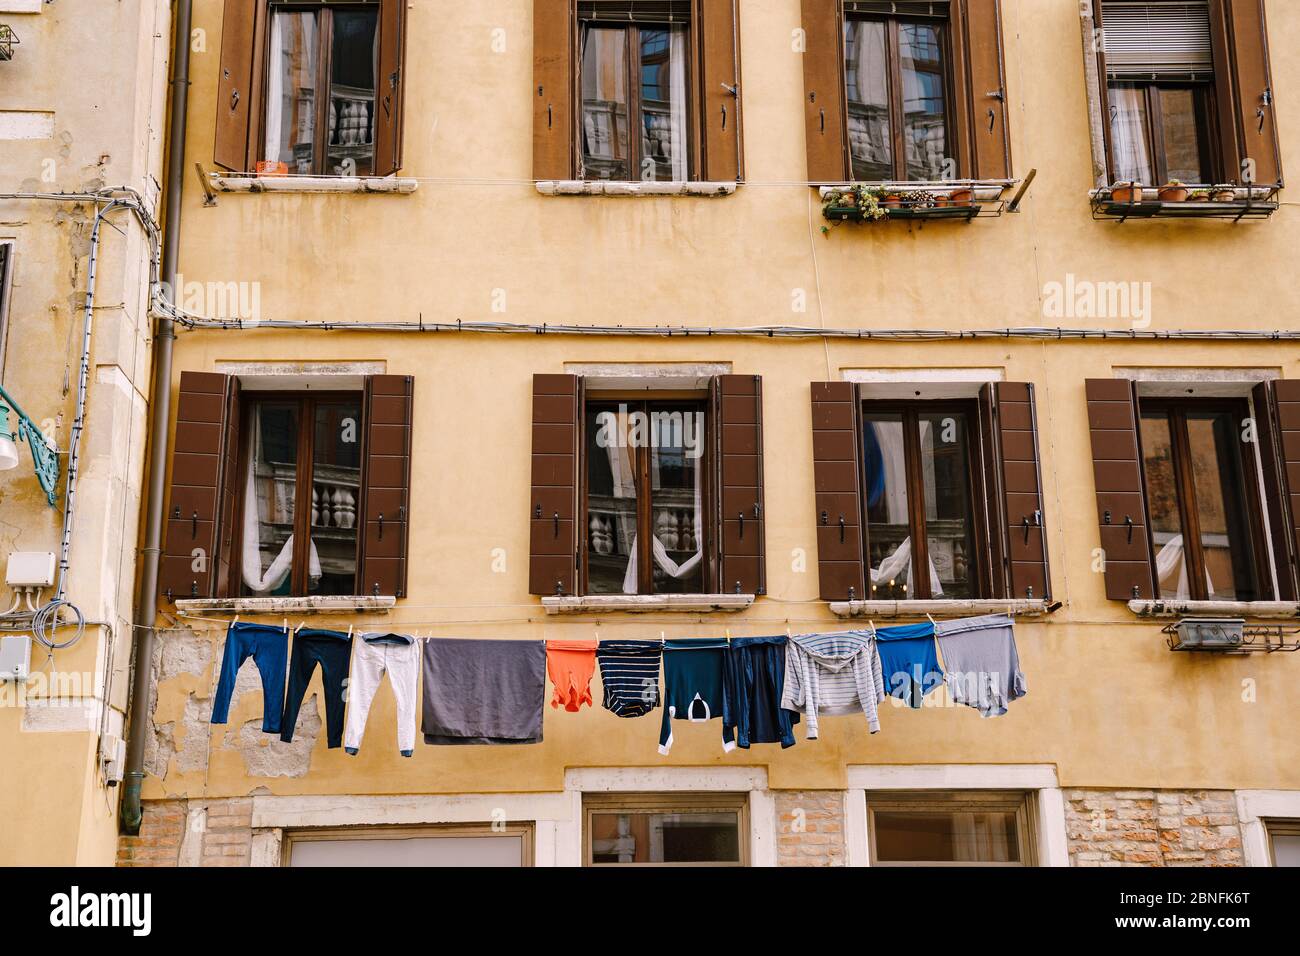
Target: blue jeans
(269, 648)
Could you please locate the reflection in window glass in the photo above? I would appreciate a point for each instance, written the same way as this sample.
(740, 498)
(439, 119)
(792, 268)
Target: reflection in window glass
(1217, 475)
(291, 90)
(889, 540)
(949, 525)
(351, 140)
(1286, 848)
(647, 837)
(663, 103)
(1162, 503)
(676, 498)
(1182, 110)
(920, 51)
(336, 484)
(611, 501)
(946, 837)
(267, 533)
(867, 74)
(1129, 146)
(604, 104)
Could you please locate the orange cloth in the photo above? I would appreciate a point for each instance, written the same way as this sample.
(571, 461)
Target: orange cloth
(570, 665)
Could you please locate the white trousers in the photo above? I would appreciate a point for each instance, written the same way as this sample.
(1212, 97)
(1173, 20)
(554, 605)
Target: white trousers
(371, 660)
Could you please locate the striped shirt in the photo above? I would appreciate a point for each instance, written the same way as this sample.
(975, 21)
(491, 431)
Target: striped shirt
(629, 671)
(832, 674)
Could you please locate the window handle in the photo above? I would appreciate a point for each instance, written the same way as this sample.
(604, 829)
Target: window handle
(548, 116)
(234, 99)
(557, 524)
(724, 116)
(992, 120)
(741, 516)
(1260, 114)
(194, 525)
(1025, 522)
(1128, 521)
(381, 526)
(841, 529)
(822, 114)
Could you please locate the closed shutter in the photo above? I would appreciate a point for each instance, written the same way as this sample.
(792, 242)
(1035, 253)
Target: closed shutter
(386, 485)
(1121, 497)
(837, 486)
(390, 86)
(823, 86)
(1020, 522)
(235, 84)
(553, 506)
(189, 560)
(720, 78)
(1249, 86)
(1282, 486)
(738, 411)
(1167, 41)
(553, 89)
(986, 136)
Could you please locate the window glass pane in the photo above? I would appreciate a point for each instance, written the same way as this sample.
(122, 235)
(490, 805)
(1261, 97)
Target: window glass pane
(866, 69)
(645, 837)
(351, 148)
(506, 850)
(676, 497)
(982, 836)
(1129, 144)
(291, 90)
(1215, 440)
(888, 530)
(920, 51)
(611, 500)
(1162, 504)
(605, 144)
(949, 524)
(1181, 115)
(271, 484)
(663, 103)
(1286, 849)
(336, 484)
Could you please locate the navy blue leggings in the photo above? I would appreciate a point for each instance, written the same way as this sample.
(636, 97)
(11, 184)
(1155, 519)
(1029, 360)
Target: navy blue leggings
(269, 648)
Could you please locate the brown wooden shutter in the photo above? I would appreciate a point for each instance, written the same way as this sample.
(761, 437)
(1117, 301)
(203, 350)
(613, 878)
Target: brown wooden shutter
(738, 411)
(190, 553)
(390, 86)
(824, 93)
(837, 481)
(720, 76)
(1121, 496)
(386, 485)
(985, 137)
(553, 92)
(1247, 84)
(992, 567)
(228, 503)
(553, 505)
(1018, 490)
(1277, 417)
(235, 84)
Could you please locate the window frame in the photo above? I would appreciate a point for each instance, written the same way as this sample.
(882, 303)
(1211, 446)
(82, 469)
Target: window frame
(1176, 410)
(1279, 826)
(307, 403)
(524, 830)
(696, 400)
(685, 802)
(911, 411)
(1153, 128)
(1022, 803)
(8, 249)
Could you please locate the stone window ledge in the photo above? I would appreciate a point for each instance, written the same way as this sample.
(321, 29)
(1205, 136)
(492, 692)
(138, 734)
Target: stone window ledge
(983, 190)
(890, 609)
(337, 604)
(313, 184)
(604, 187)
(646, 603)
(1276, 610)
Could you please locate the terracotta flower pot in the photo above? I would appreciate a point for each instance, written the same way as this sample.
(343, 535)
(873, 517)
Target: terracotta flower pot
(961, 197)
(1223, 195)
(892, 201)
(1129, 192)
(1173, 193)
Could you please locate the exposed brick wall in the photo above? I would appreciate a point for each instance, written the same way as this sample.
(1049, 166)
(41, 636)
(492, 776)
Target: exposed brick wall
(810, 828)
(159, 842)
(223, 835)
(1153, 828)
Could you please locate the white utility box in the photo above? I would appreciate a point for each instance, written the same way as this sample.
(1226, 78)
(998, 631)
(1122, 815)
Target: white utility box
(15, 657)
(30, 569)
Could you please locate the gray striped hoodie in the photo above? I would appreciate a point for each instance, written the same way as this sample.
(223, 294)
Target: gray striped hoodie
(832, 674)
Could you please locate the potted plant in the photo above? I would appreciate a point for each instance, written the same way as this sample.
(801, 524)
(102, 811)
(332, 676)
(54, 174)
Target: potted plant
(858, 201)
(1173, 191)
(1199, 195)
(962, 196)
(1223, 194)
(1126, 192)
(893, 199)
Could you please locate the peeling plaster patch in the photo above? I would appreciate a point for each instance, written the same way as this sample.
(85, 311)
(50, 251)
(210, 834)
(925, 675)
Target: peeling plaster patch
(266, 755)
(159, 747)
(193, 752)
(26, 124)
(183, 652)
(61, 715)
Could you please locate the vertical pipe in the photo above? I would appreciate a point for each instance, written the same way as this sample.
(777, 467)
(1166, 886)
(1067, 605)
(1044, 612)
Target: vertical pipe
(132, 813)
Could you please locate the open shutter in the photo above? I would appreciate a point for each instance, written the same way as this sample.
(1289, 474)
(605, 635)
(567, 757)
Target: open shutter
(189, 560)
(235, 84)
(1121, 497)
(1248, 85)
(1018, 489)
(720, 78)
(553, 88)
(986, 137)
(390, 85)
(386, 485)
(837, 483)
(823, 87)
(738, 411)
(553, 506)
(1277, 423)
(229, 497)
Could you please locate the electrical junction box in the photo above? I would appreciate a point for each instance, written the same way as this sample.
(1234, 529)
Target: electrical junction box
(15, 658)
(113, 751)
(1209, 634)
(30, 569)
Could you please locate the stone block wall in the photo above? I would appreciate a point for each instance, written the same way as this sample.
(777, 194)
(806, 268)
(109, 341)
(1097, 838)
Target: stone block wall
(1153, 828)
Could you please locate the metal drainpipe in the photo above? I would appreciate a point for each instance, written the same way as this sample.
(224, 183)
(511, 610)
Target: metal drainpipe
(132, 813)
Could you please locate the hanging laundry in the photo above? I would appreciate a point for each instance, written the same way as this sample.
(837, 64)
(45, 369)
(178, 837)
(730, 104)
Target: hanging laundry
(695, 688)
(832, 674)
(983, 667)
(269, 648)
(332, 650)
(483, 692)
(570, 665)
(908, 664)
(379, 653)
(629, 671)
(755, 670)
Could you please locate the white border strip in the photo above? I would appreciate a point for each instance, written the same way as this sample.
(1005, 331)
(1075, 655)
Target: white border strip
(1253, 807)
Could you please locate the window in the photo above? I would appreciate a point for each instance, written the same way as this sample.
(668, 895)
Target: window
(507, 846)
(6, 290)
(665, 830)
(1202, 500)
(1284, 841)
(945, 828)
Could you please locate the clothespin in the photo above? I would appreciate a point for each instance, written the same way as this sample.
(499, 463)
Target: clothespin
(727, 631)
(788, 635)
(931, 617)
(235, 621)
(349, 632)
(285, 625)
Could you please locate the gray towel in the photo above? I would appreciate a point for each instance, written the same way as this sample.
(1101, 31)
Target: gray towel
(980, 663)
(483, 692)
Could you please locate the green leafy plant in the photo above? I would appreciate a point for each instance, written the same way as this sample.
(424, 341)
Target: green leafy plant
(865, 199)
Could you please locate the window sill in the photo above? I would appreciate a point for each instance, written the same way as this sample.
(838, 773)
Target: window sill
(342, 604)
(891, 609)
(313, 184)
(604, 187)
(1257, 202)
(1276, 610)
(646, 603)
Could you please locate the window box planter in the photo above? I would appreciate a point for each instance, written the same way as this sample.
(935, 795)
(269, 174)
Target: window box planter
(879, 202)
(1124, 201)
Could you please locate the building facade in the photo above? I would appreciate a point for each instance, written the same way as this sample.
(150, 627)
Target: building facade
(448, 258)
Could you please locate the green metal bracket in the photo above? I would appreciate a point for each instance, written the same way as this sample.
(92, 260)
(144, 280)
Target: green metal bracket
(45, 458)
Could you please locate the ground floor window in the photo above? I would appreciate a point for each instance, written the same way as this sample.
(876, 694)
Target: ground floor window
(664, 829)
(476, 845)
(945, 828)
(1284, 841)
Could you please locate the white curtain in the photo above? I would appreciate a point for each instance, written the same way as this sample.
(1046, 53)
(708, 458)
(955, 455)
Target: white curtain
(677, 149)
(981, 838)
(1128, 137)
(258, 579)
(1171, 557)
(897, 563)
